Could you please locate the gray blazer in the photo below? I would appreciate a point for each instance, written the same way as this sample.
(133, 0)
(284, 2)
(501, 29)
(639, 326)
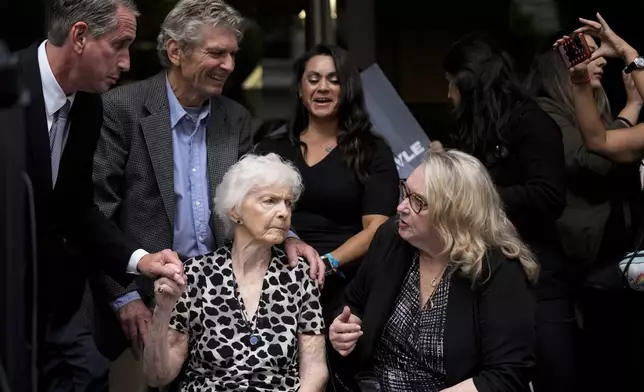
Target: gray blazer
(134, 186)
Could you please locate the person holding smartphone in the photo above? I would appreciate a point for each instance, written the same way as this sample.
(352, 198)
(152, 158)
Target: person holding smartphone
(625, 145)
(608, 319)
(601, 213)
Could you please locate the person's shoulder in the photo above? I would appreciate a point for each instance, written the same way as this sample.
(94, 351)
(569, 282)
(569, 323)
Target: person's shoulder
(233, 108)
(499, 268)
(529, 117)
(278, 142)
(215, 260)
(530, 111)
(130, 94)
(300, 273)
(387, 234)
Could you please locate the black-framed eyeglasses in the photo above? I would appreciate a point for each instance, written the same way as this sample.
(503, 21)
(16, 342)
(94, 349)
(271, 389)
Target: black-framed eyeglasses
(416, 202)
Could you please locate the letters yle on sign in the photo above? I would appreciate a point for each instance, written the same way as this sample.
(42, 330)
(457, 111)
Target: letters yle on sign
(393, 120)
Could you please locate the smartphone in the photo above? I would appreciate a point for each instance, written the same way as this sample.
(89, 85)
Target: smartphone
(574, 50)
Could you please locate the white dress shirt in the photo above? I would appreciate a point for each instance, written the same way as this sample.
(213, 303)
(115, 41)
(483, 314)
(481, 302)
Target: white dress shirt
(55, 98)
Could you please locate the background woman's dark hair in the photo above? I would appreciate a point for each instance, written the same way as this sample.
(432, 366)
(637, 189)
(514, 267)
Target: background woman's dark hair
(549, 78)
(355, 139)
(490, 90)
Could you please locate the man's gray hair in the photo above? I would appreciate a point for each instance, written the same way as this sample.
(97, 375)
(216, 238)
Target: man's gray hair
(253, 172)
(184, 23)
(100, 16)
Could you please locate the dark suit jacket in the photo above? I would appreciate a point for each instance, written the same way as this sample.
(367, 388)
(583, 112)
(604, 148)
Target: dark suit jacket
(490, 330)
(134, 179)
(73, 236)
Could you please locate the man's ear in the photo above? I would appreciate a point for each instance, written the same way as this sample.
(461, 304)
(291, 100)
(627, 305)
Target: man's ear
(79, 34)
(173, 51)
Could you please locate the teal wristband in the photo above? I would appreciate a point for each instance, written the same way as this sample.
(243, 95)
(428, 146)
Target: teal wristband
(335, 264)
(332, 260)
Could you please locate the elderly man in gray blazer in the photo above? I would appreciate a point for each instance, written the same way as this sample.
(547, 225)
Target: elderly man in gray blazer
(165, 145)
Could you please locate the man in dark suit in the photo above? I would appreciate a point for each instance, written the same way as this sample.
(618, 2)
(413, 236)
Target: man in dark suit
(166, 143)
(86, 50)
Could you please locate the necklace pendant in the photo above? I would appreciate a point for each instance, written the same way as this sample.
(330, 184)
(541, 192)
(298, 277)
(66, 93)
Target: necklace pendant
(329, 148)
(254, 340)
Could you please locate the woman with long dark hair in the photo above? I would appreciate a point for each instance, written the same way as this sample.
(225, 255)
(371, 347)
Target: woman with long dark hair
(521, 146)
(599, 222)
(350, 178)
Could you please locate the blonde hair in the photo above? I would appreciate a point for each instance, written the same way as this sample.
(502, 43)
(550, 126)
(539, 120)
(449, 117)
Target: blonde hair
(466, 211)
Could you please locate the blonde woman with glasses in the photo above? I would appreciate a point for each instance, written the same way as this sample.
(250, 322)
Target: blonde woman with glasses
(441, 301)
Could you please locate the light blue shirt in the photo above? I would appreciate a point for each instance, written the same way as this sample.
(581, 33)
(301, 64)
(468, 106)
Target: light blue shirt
(192, 233)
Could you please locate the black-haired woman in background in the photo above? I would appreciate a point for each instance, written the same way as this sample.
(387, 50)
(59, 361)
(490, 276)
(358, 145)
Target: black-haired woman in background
(350, 178)
(521, 146)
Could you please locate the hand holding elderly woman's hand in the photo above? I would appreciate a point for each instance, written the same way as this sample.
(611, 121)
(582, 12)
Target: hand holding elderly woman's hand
(345, 331)
(166, 293)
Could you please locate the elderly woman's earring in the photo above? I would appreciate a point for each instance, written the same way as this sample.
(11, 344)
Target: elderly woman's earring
(238, 221)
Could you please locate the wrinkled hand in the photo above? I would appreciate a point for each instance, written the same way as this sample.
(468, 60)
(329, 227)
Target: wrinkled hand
(632, 95)
(162, 264)
(295, 248)
(167, 292)
(345, 331)
(135, 319)
(436, 146)
(612, 45)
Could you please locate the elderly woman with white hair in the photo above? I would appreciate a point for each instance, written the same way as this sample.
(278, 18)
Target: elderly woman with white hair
(441, 301)
(246, 320)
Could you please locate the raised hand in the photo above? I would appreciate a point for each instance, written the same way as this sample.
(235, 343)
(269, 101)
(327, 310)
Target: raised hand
(345, 331)
(612, 45)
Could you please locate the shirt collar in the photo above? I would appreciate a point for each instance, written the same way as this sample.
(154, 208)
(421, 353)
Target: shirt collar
(52, 92)
(177, 112)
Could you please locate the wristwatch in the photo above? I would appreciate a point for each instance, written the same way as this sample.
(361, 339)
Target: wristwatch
(638, 63)
(332, 265)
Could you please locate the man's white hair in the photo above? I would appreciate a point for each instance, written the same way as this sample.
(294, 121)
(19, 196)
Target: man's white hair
(253, 172)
